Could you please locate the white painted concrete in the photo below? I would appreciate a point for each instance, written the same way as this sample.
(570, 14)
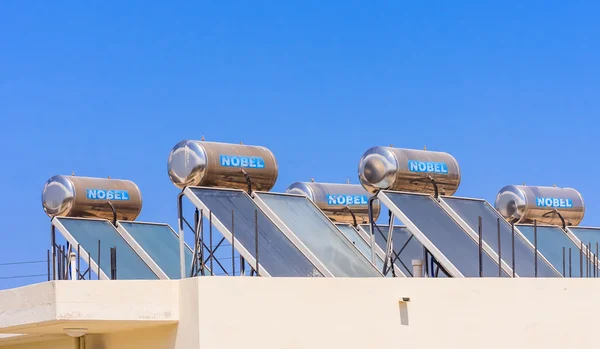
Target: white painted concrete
(245, 312)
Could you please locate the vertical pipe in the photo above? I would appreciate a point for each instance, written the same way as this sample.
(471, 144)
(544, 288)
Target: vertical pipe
(201, 244)
(232, 243)
(59, 263)
(90, 265)
(210, 241)
(256, 242)
(181, 235)
(587, 260)
(417, 265)
(581, 260)
(73, 266)
(480, 248)
(53, 238)
(570, 264)
(78, 261)
(596, 259)
(372, 223)
(563, 269)
(48, 262)
(499, 251)
(535, 246)
(195, 268)
(513, 249)
(113, 263)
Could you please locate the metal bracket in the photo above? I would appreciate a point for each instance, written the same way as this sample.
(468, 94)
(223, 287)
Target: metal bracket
(435, 187)
(114, 212)
(248, 181)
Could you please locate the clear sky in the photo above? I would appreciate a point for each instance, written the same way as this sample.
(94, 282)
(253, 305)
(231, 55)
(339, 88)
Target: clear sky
(107, 88)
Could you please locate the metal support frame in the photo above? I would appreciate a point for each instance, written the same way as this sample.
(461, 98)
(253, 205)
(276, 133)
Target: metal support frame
(60, 261)
(204, 252)
(391, 256)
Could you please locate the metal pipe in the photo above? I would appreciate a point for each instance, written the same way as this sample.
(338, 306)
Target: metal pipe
(194, 269)
(581, 260)
(201, 244)
(587, 260)
(535, 246)
(181, 234)
(570, 264)
(53, 238)
(79, 262)
(256, 242)
(232, 244)
(210, 240)
(499, 251)
(563, 260)
(480, 248)
(58, 263)
(48, 262)
(372, 222)
(113, 263)
(596, 260)
(90, 265)
(513, 249)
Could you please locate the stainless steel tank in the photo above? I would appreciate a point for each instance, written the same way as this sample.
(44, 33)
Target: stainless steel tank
(336, 200)
(523, 204)
(408, 170)
(87, 197)
(212, 164)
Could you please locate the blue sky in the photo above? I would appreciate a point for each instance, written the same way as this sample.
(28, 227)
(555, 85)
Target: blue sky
(107, 88)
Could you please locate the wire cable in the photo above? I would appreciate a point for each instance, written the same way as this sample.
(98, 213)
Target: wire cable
(23, 262)
(22, 276)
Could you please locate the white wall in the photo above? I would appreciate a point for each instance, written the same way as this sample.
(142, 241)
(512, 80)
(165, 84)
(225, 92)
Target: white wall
(263, 313)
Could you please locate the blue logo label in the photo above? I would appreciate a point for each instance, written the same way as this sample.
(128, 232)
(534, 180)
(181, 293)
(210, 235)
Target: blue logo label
(427, 166)
(554, 202)
(101, 194)
(242, 161)
(347, 200)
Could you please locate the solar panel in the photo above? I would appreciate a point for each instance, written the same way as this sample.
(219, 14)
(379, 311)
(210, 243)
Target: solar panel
(158, 245)
(359, 241)
(450, 244)
(277, 255)
(550, 241)
(587, 235)
(87, 232)
(296, 215)
(406, 246)
(469, 210)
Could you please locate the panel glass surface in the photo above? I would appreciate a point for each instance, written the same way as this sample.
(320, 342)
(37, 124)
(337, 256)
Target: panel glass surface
(276, 252)
(162, 245)
(87, 232)
(444, 233)
(319, 235)
(470, 210)
(406, 246)
(361, 244)
(550, 242)
(587, 235)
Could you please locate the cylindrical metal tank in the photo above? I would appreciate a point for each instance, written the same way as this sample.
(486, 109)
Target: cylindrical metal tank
(523, 204)
(212, 164)
(87, 197)
(335, 199)
(387, 168)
